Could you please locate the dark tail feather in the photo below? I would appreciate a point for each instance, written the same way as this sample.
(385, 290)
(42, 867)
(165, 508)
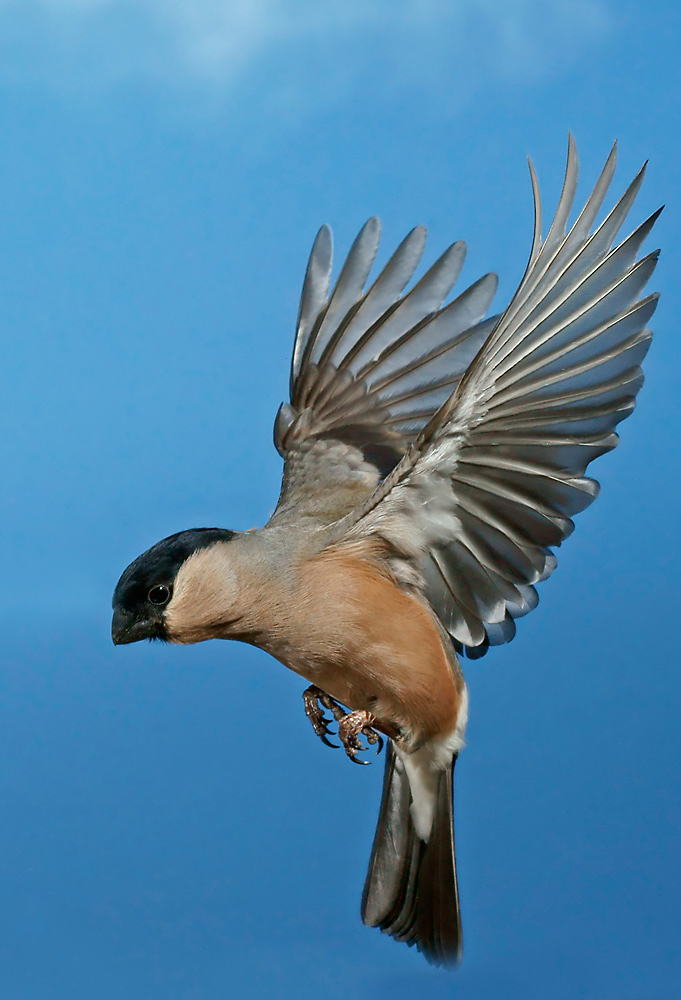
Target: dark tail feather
(410, 890)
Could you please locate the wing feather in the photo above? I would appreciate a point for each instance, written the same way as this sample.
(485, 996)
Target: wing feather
(313, 296)
(370, 368)
(492, 481)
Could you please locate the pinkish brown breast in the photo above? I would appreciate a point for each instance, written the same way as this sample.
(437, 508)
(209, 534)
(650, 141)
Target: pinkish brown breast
(372, 646)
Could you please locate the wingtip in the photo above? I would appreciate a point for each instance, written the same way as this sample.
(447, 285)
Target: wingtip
(611, 159)
(652, 219)
(458, 246)
(323, 243)
(373, 225)
(491, 279)
(572, 156)
(642, 172)
(536, 196)
(419, 235)
(533, 173)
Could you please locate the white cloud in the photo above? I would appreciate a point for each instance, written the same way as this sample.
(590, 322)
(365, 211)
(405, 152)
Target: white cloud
(225, 45)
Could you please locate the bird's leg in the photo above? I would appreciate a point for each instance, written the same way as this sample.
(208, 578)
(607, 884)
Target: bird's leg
(354, 725)
(351, 725)
(313, 699)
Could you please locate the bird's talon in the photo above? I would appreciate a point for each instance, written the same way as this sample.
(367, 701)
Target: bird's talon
(352, 726)
(313, 699)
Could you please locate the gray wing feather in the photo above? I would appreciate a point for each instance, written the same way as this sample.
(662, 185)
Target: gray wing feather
(491, 483)
(349, 286)
(424, 299)
(556, 233)
(370, 368)
(382, 295)
(453, 329)
(313, 296)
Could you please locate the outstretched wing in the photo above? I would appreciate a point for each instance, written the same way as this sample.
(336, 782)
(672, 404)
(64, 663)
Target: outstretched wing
(491, 483)
(370, 368)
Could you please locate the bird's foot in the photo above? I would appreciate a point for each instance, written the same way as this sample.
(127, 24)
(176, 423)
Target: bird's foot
(315, 701)
(351, 725)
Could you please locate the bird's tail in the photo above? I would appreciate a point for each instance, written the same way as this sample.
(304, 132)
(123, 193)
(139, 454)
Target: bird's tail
(410, 890)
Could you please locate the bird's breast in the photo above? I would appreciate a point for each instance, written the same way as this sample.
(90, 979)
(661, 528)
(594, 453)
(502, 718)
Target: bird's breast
(353, 632)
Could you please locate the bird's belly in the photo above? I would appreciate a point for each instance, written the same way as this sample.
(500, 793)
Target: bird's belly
(372, 646)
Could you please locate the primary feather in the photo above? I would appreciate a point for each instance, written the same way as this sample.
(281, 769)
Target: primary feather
(493, 480)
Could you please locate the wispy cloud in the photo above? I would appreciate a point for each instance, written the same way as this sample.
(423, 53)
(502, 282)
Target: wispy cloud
(226, 45)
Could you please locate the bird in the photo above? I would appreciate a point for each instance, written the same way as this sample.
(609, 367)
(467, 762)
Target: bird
(434, 459)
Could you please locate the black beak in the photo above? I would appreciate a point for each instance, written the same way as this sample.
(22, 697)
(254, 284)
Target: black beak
(125, 628)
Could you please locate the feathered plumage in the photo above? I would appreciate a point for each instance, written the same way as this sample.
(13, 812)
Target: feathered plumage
(435, 458)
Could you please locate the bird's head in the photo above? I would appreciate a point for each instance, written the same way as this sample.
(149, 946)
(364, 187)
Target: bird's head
(176, 591)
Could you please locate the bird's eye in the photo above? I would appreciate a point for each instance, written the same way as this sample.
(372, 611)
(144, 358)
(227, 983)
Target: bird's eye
(159, 594)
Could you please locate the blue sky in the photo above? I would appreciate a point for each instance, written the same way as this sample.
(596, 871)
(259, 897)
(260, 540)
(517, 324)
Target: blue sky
(171, 828)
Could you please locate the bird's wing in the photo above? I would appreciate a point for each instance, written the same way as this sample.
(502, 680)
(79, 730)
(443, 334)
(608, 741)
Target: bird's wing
(491, 483)
(371, 367)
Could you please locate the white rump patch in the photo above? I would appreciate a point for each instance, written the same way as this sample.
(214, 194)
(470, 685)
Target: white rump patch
(424, 766)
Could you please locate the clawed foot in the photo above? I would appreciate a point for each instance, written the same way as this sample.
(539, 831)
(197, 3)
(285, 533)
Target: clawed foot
(315, 701)
(351, 725)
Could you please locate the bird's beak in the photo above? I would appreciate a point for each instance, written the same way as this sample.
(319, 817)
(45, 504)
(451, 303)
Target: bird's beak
(126, 629)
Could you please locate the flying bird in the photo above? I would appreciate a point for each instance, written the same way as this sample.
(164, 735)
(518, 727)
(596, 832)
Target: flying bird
(434, 458)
